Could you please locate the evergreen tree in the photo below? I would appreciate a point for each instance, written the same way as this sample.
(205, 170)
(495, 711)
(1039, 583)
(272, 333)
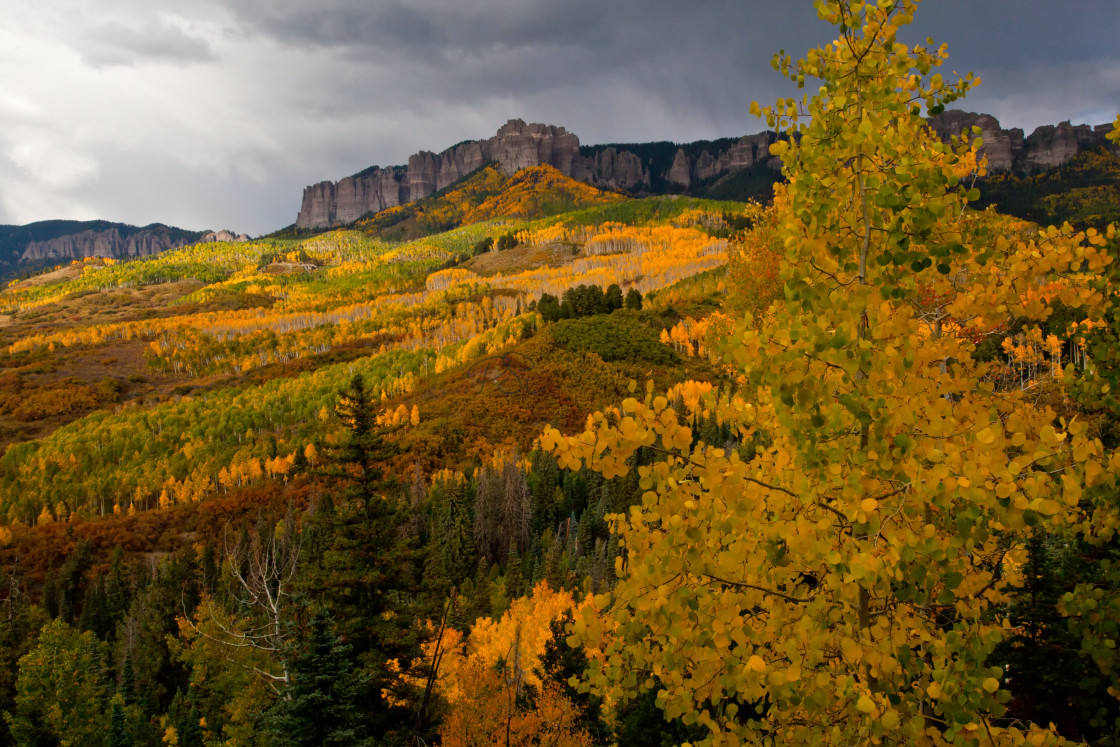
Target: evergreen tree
(118, 735)
(613, 298)
(549, 307)
(457, 558)
(513, 572)
(594, 301)
(634, 299)
(190, 730)
(483, 246)
(127, 687)
(362, 447)
(321, 705)
(1056, 680)
(562, 663)
(299, 462)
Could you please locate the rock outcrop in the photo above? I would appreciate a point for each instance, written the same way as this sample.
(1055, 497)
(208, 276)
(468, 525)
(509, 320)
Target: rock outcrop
(515, 146)
(1008, 150)
(114, 242)
(610, 168)
(223, 236)
(680, 173)
(518, 145)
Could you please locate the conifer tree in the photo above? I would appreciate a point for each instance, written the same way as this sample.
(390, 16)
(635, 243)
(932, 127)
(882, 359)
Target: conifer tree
(190, 730)
(362, 447)
(118, 735)
(613, 298)
(455, 533)
(321, 706)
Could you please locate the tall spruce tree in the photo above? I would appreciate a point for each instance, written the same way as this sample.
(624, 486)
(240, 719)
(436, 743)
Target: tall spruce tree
(322, 705)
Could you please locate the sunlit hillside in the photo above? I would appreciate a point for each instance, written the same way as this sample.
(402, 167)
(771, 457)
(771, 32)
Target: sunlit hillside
(485, 195)
(171, 379)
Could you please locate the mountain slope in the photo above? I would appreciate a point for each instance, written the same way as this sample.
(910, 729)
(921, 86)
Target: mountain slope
(487, 194)
(1085, 191)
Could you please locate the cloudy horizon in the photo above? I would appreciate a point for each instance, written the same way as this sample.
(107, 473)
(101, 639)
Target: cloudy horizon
(216, 114)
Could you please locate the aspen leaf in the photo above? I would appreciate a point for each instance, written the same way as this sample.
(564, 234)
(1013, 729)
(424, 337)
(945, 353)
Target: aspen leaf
(756, 664)
(851, 650)
(991, 684)
(868, 505)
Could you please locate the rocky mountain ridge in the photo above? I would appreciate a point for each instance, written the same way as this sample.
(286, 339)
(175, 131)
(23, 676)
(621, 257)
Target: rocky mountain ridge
(641, 167)
(43, 243)
(1049, 146)
(516, 145)
(115, 243)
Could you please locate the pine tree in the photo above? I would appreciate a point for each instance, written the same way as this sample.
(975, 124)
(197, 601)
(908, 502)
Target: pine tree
(613, 298)
(457, 557)
(127, 687)
(562, 663)
(118, 735)
(363, 447)
(190, 729)
(513, 576)
(321, 705)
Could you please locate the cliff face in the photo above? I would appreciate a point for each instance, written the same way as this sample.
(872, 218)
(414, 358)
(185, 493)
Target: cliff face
(518, 145)
(1007, 150)
(687, 171)
(515, 146)
(109, 242)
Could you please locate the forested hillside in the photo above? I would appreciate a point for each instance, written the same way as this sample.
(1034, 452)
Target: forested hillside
(528, 463)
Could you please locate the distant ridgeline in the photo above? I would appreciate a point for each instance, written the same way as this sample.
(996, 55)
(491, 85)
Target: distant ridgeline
(728, 168)
(35, 246)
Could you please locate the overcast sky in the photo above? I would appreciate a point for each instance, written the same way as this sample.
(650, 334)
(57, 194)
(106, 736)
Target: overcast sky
(216, 113)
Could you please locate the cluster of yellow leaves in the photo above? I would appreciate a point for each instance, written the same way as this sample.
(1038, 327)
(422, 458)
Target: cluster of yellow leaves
(482, 674)
(690, 336)
(493, 715)
(527, 620)
(400, 416)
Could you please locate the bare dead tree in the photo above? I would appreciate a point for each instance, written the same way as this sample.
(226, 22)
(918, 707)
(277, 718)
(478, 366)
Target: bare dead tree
(264, 570)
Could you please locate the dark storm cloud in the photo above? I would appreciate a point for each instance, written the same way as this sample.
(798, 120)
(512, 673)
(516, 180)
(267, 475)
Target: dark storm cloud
(216, 113)
(711, 56)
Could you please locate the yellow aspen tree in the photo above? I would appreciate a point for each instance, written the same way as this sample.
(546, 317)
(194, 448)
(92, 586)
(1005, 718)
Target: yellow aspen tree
(843, 585)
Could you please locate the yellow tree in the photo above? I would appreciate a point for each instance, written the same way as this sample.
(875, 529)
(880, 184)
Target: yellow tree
(839, 582)
(488, 676)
